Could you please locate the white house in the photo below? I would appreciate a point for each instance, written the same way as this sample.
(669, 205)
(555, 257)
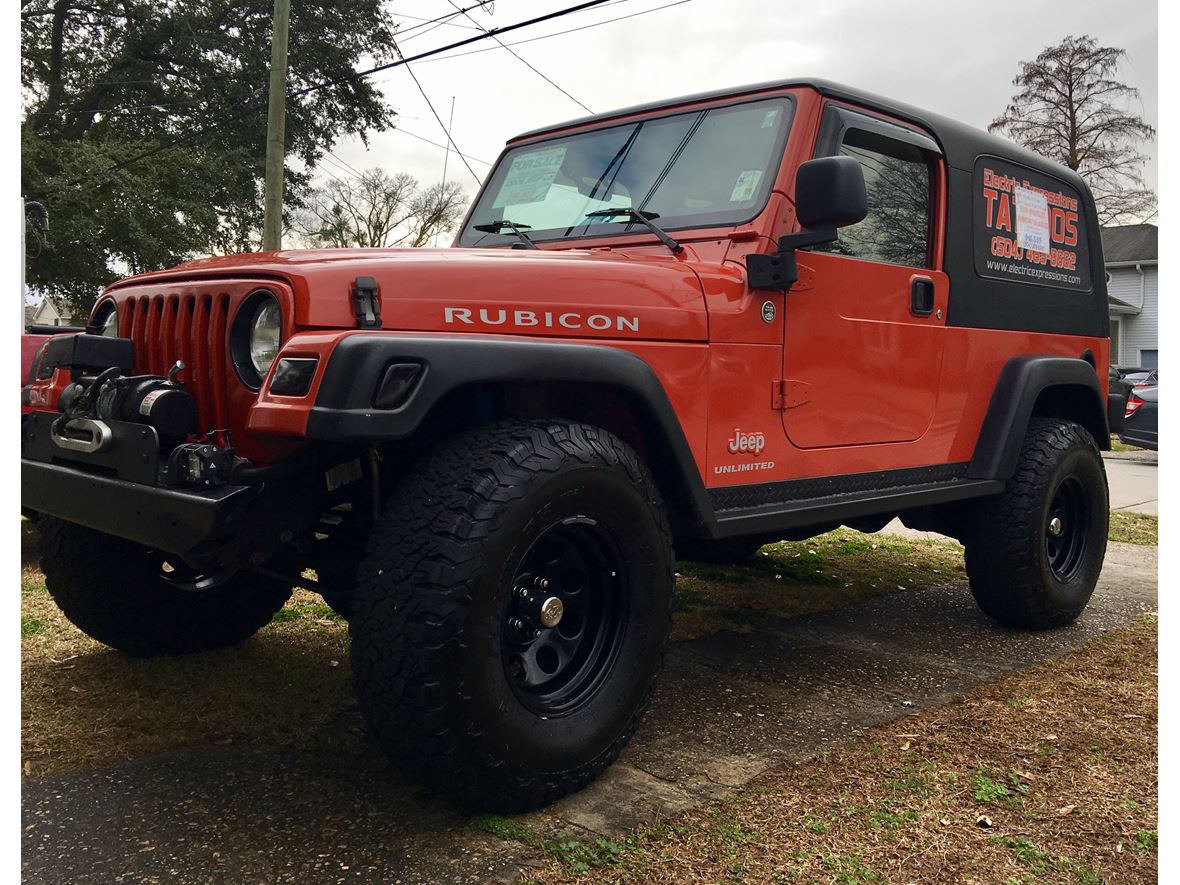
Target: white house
(1131, 253)
(45, 314)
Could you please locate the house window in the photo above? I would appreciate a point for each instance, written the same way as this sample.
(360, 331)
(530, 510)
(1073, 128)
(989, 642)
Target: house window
(1116, 337)
(1149, 359)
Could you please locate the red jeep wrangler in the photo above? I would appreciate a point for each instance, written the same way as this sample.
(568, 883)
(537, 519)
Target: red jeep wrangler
(698, 325)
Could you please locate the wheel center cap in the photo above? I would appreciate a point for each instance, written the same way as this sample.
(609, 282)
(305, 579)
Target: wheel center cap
(551, 611)
(1055, 526)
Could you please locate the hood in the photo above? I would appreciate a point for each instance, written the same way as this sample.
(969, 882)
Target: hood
(599, 293)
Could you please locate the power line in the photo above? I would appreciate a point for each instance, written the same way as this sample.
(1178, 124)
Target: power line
(435, 143)
(340, 166)
(343, 163)
(431, 21)
(560, 13)
(356, 75)
(513, 53)
(441, 124)
(438, 22)
(567, 31)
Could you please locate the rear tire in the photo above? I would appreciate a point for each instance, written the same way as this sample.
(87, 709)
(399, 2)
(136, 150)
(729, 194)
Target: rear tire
(117, 592)
(461, 678)
(1035, 551)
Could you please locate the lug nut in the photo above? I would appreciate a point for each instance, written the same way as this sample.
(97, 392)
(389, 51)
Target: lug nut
(522, 592)
(543, 583)
(516, 624)
(536, 633)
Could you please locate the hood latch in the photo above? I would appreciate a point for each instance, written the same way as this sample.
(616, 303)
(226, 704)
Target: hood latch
(367, 303)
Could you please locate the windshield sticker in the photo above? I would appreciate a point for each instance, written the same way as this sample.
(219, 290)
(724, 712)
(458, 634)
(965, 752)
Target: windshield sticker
(530, 177)
(1032, 220)
(770, 118)
(746, 187)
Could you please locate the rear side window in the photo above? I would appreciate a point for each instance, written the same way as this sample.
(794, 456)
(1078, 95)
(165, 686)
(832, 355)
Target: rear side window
(898, 180)
(1028, 227)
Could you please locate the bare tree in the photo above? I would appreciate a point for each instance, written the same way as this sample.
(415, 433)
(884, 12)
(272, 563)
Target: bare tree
(375, 209)
(436, 211)
(1070, 108)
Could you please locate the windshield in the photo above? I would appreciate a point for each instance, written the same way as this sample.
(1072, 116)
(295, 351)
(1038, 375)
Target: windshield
(695, 169)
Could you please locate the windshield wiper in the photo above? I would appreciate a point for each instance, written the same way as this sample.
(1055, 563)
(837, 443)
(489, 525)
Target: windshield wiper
(644, 218)
(495, 227)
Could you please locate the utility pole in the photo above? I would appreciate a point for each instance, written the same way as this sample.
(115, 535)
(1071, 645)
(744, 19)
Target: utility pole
(276, 118)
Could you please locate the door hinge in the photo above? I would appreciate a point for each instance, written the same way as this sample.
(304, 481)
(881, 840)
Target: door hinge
(787, 394)
(366, 302)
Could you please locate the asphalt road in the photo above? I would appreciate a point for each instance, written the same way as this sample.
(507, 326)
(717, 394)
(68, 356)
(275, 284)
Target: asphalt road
(727, 707)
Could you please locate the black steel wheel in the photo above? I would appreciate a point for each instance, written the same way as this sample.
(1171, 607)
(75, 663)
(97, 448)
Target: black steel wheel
(512, 611)
(565, 623)
(1034, 552)
(1066, 529)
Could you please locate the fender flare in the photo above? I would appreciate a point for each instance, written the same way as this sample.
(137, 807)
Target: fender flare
(1022, 382)
(344, 410)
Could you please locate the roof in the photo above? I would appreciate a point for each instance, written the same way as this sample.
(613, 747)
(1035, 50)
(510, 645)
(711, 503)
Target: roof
(1130, 243)
(960, 143)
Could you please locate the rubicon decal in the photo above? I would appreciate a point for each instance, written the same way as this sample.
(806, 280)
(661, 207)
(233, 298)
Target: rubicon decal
(753, 443)
(539, 319)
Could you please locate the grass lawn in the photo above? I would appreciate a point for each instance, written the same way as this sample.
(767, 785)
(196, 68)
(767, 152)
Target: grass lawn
(1134, 528)
(1047, 776)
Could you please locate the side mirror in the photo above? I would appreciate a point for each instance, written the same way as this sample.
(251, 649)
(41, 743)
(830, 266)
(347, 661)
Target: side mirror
(829, 194)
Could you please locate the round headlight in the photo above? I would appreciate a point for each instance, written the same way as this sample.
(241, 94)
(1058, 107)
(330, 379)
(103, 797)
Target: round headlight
(266, 336)
(107, 321)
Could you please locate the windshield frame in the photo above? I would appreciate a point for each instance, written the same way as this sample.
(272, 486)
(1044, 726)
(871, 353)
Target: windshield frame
(630, 228)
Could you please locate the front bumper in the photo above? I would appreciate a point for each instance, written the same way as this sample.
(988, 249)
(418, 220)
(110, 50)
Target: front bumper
(187, 523)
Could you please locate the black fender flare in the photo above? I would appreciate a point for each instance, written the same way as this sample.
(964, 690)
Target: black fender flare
(344, 409)
(1066, 387)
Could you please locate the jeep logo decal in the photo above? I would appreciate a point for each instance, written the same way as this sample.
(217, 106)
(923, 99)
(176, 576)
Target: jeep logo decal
(524, 319)
(753, 443)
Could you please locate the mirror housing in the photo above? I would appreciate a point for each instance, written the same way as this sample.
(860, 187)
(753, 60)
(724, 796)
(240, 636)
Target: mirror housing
(829, 194)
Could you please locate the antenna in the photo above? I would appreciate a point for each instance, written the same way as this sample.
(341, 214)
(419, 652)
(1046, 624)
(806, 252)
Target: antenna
(446, 157)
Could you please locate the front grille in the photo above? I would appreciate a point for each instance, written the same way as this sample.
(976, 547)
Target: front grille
(190, 328)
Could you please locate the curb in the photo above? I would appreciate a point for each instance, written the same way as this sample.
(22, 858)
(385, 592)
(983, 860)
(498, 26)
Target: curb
(1144, 456)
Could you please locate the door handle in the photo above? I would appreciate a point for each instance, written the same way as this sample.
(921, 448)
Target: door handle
(921, 296)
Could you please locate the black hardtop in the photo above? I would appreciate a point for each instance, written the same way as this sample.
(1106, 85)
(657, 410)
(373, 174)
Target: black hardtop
(959, 142)
(976, 301)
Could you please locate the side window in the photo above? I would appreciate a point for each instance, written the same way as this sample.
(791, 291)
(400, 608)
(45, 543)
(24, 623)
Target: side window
(898, 179)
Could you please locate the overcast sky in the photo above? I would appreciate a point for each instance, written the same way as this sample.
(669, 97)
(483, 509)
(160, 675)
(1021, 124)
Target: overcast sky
(950, 56)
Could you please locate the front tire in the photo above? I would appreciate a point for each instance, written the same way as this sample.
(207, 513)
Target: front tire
(1035, 551)
(468, 673)
(138, 601)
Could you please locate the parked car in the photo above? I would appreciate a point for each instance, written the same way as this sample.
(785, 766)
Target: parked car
(1142, 378)
(1140, 426)
(1118, 383)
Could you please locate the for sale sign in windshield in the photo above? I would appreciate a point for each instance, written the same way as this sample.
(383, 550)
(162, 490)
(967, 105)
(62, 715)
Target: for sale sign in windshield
(1028, 227)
